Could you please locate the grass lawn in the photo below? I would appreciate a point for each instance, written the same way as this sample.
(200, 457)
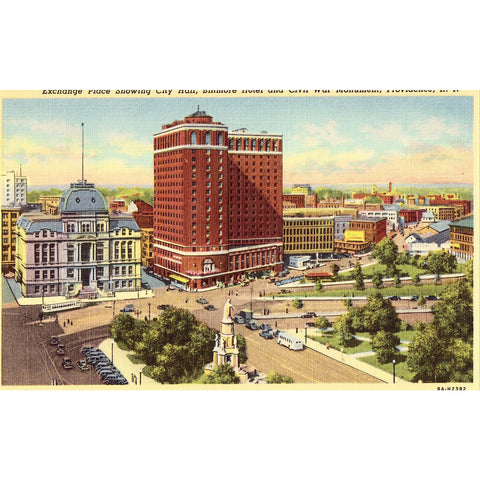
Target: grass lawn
(402, 291)
(401, 369)
(334, 343)
(134, 359)
(406, 270)
(122, 346)
(408, 335)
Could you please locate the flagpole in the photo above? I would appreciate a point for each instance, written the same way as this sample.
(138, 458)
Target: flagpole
(83, 176)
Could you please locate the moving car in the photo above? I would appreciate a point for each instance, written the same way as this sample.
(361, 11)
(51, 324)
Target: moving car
(146, 285)
(54, 340)
(309, 315)
(239, 319)
(309, 324)
(209, 307)
(266, 327)
(414, 298)
(128, 308)
(252, 325)
(67, 363)
(266, 334)
(394, 297)
(203, 301)
(82, 365)
(60, 349)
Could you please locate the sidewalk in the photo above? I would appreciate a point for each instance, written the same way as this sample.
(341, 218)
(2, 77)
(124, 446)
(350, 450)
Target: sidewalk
(17, 291)
(346, 359)
(126, 367)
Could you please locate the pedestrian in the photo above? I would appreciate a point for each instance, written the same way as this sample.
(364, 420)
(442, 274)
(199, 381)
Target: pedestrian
(64, 324)
(286, 310)
(328, 345)
(275, 324)
(71, 323)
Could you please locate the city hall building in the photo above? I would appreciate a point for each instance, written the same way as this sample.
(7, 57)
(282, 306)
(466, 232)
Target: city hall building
(218, 202)
(83, 250)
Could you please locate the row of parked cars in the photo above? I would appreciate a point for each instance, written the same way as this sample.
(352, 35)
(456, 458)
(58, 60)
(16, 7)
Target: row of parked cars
(103, 366)
(414, 298)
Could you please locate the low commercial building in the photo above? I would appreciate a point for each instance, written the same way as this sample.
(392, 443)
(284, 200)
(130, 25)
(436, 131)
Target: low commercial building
(375, 228)
(461, 239)
(10, 215)
(49, 203)
(310, 235)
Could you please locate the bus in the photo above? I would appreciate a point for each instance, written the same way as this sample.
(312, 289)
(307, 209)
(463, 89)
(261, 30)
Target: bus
(287, 340)
(58, 307)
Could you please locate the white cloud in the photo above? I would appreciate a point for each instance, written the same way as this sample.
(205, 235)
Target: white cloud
(317, 135)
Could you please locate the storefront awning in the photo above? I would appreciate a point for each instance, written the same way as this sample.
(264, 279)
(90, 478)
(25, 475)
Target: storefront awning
(179, 279)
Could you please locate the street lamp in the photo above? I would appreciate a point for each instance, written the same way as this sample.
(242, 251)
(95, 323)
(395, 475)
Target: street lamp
(149, 311)
(112, 347)
(393, 363)
(140, 375)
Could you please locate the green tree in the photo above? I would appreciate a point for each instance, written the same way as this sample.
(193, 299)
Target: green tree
(443, 350)
(386, 251)
(223, 374)
(469, 272)
(318, 286)
(377, 279)
(128, 330)
(442, 261)
(357, 276)
(297, 303)
(384, 344)
(454, 312)
(344, 330)
(421, 301)
(322, 322)
(274, 377)
(334, 268)
(173, 365)
(379, 314)
(403, 258)
(396, 281)
(415, 278)
(242, 348)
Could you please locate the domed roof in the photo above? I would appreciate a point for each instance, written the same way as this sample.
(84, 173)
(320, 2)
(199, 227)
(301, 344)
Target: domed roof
(82, 197)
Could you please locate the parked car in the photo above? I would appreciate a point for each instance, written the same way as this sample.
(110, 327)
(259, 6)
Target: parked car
(394, 297)
(252, 325)
(414, 298)
(266, 327)
(54, 340)
(163, 307)
(87, 349)
(431, 297)
(266, 334)
(203, 301)
(309, 324)
(309, 315)
(239, 319)
(128, 308)
(82, 365)
(209, 307)
(67, 363)
(146, 285)
(60, 349)
(276, 333)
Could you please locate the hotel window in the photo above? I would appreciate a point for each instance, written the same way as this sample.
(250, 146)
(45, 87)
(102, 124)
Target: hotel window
(70, 227)
(117, 270)
(124, 270)
(207, 138)
(193, 138)
(99, 272)
(254, 143)
(246, 143)
(220, 138)
(239, 144)
(130, 270)
(231, 144)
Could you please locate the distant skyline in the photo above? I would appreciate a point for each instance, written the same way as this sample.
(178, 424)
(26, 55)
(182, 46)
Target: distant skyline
(327, 140)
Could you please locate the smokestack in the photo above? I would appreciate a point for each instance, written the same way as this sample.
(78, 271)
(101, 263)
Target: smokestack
(343, 201)
(389, 186)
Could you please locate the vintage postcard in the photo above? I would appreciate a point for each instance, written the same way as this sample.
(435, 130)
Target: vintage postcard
(239, 239)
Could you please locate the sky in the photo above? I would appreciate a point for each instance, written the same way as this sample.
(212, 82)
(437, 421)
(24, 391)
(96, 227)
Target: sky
(327, 140)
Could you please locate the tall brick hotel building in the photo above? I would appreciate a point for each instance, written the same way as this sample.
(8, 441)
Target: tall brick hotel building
(218, 202)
